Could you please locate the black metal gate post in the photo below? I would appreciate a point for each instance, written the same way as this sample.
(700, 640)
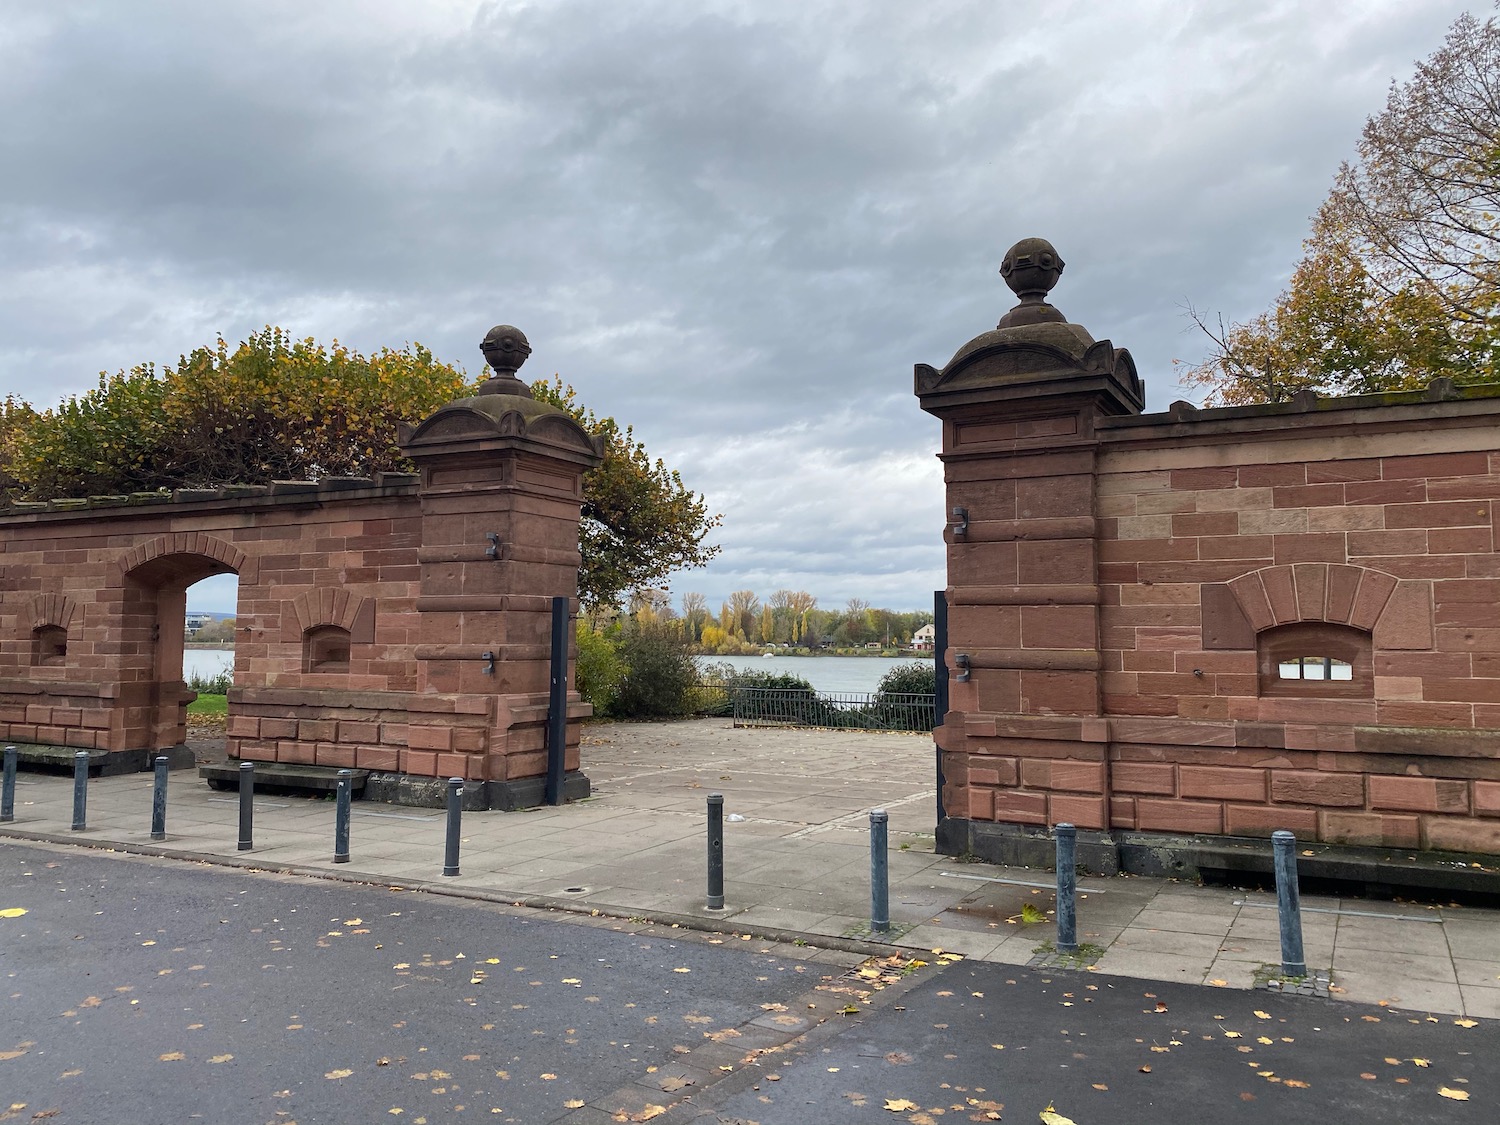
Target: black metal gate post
(939, 682)
(557, 704)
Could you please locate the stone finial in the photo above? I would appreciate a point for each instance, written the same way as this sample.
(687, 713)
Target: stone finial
(505, 349)
(1031, 268)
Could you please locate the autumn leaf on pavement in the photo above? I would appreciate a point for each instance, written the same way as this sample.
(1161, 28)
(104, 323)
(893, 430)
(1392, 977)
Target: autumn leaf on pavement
(899, 1105)
(1456, 1095)
(334, 1074)
(1050, 1116)
(1030, 913)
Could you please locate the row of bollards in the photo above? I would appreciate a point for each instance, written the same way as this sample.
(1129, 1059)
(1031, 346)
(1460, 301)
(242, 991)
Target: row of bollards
(343, 796)
(1288, 896)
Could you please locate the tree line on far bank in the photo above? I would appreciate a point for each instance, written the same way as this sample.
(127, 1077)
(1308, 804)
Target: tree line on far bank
(744, 625)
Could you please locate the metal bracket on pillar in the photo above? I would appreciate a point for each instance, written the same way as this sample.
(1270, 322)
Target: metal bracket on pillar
(960, 522)
(489, 663)
(493, 550)
(961, 663)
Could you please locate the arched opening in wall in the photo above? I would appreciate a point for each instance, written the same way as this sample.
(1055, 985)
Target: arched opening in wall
(209, 626)
(1316, 660)
(325, 648)
(165, 650)
(49, 646)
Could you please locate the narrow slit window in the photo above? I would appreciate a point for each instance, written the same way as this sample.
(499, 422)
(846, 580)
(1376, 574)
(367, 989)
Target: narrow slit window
(1316, 659)
(1317, 668)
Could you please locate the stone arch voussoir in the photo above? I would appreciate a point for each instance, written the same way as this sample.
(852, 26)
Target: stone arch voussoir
(351, 612)
(49, 609)
(1336, 593)
(190, 543)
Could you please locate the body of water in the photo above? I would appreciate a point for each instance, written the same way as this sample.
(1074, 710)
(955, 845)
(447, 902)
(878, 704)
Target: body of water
(825, 673)
(206, 661)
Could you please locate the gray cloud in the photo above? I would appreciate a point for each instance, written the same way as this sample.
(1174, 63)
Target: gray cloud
(734, 225)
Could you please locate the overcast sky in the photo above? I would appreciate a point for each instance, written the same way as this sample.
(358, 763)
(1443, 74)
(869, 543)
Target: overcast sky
(735, 226)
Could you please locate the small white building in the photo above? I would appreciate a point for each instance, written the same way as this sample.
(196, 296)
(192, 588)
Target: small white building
(924, 638)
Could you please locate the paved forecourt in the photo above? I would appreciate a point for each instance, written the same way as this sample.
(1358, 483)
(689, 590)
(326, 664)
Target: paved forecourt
(797, 864)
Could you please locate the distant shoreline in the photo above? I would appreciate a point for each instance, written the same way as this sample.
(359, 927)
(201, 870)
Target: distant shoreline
(199, 646)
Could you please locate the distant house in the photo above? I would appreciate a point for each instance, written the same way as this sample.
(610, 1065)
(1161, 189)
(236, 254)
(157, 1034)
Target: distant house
(924, 638)
(192, 622)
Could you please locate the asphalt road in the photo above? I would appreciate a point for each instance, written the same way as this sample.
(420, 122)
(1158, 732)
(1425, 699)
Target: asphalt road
(151, 991)
(157, 991)
(982, 1039)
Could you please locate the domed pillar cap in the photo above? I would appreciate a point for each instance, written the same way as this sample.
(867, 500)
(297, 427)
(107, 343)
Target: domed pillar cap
(505, 349)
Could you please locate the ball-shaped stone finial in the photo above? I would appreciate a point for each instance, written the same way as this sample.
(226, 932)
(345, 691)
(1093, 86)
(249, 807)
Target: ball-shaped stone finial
(505, 349)
(1031, 268)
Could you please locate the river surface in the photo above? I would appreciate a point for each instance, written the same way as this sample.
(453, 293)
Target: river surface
(206, 662)
(825, 673)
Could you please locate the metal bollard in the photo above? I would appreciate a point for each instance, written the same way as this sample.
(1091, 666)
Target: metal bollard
(455, 816)
(1067, 888)
(8, 787)
(715, 851)
(1288, 903)
(247, 806)
(880, 871)
(80, 790)
(159, 799)
(341, 817)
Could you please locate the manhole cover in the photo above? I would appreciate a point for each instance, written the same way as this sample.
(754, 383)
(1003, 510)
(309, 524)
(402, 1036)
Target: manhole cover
(575, 890)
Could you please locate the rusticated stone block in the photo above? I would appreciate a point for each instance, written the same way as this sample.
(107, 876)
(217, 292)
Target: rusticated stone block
(1084, 812)
(1222, 784)
(1368, 829)
(1457, 834)
(1178, 816)
(1313, 787)
(1419, 794)
(1144, 777)
(1078, 777)
(1020, 806)
(1262, 820)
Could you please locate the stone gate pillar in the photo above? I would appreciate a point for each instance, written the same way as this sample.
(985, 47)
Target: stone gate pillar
(500, 492)
(1024, 742)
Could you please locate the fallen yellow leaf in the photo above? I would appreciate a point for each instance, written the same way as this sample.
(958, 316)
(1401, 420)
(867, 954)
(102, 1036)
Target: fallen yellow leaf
(1455, 1095)
(573, 1103)
(221, 1058)
(12, 912)
(1467, 1023)
(1050, 1117)
(172, 1056)
(338, 1074)
(1422, 1062)
(899, 1105)
(1262, 1015)
(682, 970)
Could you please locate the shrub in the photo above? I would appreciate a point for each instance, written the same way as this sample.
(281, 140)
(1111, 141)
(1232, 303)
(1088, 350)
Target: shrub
(908, 679)
(599, 669)
(217, 684)
(659, 676)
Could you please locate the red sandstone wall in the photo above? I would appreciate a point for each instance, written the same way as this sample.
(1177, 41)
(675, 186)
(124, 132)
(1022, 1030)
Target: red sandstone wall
(350, 561)
(1110, 597)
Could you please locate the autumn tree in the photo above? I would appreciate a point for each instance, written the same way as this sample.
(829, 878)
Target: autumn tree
(1400, 276)
(694, 614)
(744, 613)
(274, 408)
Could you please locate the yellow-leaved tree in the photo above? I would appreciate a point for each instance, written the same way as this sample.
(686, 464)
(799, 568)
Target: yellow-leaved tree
(1399, 282)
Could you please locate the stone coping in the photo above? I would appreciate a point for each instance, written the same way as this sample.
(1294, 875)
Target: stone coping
(275, 494)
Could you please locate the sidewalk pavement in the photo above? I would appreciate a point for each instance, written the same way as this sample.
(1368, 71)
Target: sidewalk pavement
(797, 865)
